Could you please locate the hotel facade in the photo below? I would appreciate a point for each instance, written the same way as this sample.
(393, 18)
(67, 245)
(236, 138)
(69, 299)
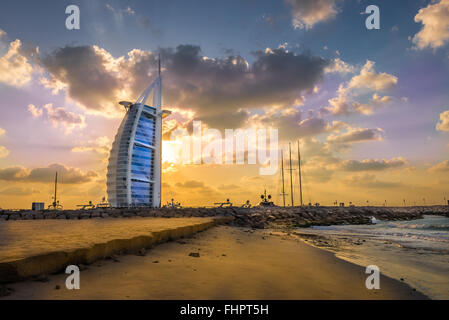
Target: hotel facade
(134, 169)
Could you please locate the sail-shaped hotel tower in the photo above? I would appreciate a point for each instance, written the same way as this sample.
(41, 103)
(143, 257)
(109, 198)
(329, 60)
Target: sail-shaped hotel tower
(134, 169)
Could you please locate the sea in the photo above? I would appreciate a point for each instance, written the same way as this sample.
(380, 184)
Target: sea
(415, 251)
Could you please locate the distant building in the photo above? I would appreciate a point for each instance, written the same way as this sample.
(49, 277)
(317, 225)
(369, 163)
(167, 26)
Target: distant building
(134, 170)
(36, 206)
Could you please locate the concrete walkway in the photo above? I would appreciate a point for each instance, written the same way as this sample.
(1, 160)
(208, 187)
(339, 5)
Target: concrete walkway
(34, 247)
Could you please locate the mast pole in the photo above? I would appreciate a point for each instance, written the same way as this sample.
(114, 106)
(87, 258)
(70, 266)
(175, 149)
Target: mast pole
(300, 182)
(56, 185)
(291, 173)
(282, 170)
(159, 65)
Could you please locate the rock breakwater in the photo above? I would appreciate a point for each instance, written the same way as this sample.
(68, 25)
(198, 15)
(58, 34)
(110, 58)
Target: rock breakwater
(256, 217)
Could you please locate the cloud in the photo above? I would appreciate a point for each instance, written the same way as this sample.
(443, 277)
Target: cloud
(307, 13)
(59, 117)
(340, 104)
(3, 152)
(227, 187)
(435, 30)
(367, 80)
(362, 108)
(36, 112)
(443, 124)
(129, 11)
(372, 165)
(370, 181)
(318, 173)
(343, 104)
(339, 66)
(379, 100)
(311, 127)
(211, 88)
(357, 135)
(190, 184)
(101, 145)
(87, 74)
(120, 13)
(199, 187)
(15, 69)
(66, 119)
(293, 123)
(18, 191)
(66, 175)
(440, 167)
(370, 79)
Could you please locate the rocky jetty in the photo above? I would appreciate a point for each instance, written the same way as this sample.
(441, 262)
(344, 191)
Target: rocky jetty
(256, 217)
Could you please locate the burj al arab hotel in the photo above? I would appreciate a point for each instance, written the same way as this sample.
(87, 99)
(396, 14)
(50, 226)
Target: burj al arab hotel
(134, 169)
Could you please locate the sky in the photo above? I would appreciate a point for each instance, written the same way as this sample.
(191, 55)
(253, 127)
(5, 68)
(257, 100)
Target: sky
(369, 107)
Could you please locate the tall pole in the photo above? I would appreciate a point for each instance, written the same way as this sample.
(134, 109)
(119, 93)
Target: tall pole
(157, 103)
(300, 182)
(291, 169)
(56, 185)
(282, 171)
(159, 64)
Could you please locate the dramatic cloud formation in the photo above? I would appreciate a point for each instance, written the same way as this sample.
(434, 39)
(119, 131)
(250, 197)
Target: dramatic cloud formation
(435, 30)
(372, 165)
(59, 117)
(217, 90)
(15, 69)
(47, 174)
(306, 13)
(83, 72)
(443, 124)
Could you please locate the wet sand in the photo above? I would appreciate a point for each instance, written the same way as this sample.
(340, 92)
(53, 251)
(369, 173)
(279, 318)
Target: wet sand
(233, 263)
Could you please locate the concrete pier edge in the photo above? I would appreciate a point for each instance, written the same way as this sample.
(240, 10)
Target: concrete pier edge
(54, 262)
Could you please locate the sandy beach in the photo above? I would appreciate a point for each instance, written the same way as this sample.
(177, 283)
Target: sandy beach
(233, 263)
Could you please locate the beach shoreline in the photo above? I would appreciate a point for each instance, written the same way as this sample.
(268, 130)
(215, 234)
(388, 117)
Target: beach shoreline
(414, 252)
(229, 263)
